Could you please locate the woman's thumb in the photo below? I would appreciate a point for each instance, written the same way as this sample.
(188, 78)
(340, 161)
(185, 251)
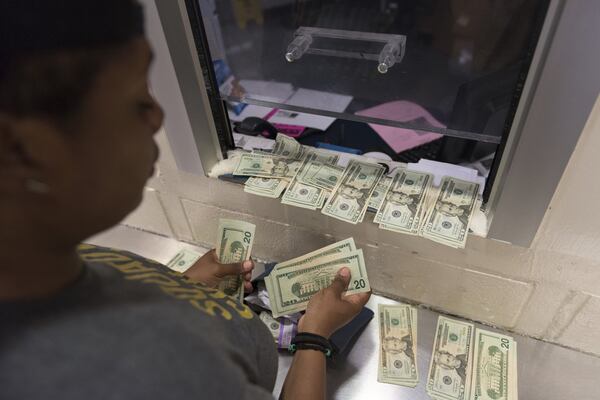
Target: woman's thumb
(341, 280)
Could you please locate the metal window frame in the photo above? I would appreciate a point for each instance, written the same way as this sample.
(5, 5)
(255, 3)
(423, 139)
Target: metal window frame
(549, 120)
(558, 95)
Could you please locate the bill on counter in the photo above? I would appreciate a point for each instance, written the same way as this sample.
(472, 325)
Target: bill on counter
(183, 260)
(290, 289)
(304, 196)
(234, 245)
(397, 345)
(266, 187)
(448, 220)
(378, 195)
(350, 197)
(403, 206)
(514, 389)
(288, 147)
(449, 374)
(494, 367)
(323, 157)
(320, 174)
(266, 166)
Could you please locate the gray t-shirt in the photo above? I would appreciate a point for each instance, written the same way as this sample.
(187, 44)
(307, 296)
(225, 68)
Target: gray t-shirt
(130, 328)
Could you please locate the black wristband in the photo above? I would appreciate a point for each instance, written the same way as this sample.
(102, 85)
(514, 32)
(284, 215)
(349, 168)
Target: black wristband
(309, 346)
(305, 340)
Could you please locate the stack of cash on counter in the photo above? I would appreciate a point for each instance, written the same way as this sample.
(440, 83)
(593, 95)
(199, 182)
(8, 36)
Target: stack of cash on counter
(405, 202)
(398, 345)
(471, 364)
(291, 284)
(466, 363)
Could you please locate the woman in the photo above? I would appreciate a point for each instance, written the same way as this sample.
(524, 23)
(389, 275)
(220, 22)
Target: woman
(76, 147)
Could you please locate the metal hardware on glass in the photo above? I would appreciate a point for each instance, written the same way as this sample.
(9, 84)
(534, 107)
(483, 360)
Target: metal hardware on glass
(389, 56)
(392, 52)
(298, 47)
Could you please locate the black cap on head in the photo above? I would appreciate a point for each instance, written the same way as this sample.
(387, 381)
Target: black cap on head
(38, 26)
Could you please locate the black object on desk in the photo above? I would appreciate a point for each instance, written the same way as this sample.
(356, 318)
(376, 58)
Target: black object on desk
(344, 338)
(255, 126)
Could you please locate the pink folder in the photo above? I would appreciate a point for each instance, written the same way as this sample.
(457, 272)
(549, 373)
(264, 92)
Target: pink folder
(400, 139)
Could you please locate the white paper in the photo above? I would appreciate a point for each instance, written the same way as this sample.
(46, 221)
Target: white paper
(301, 119)
(249, 111)
(277, 92)
(250, 143)
(311, 99)
(441, 169)
(320, 100)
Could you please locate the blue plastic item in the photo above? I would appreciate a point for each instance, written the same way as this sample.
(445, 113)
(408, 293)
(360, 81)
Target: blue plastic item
(334, 147)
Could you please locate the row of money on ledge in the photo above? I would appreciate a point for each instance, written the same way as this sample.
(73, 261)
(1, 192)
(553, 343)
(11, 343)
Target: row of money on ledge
(405, 201)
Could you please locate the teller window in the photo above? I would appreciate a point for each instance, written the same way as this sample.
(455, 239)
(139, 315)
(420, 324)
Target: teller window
(400, 81)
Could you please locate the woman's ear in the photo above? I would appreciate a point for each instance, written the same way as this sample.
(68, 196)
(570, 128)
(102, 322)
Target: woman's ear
(12, 166)
(30, 148)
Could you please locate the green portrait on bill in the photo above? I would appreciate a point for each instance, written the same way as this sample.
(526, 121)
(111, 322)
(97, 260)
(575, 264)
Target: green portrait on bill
(398, 346)
(399, 356)
(453, 212)
(401, 200)
(350, 199)
(237, 251)
(351, 193)
(280, 168)
(449, 362)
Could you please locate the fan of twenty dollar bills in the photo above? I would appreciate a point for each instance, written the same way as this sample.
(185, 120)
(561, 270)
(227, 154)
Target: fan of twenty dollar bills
(466, 363)
(405, 202)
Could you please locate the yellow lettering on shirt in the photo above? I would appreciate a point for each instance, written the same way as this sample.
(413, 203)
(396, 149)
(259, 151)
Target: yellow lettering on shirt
(243, 310)
(154, 277)
(133, 267)
(210, 306)
(182, 293)
(208, 300)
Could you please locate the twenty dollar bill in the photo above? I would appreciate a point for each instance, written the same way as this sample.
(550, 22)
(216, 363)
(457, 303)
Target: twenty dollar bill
(350, 197)
(234, 245)
(447, 222)
(494, 367)
(266, 187)
(183, 260)
(266, 166)
(398, 345)
(450, 368)
(290, 289)
(403, 205)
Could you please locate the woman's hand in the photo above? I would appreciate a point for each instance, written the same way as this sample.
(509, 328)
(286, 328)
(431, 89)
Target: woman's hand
(209, 271)
(330, 309)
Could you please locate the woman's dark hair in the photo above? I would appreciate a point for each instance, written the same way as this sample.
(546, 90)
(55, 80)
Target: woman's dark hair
(50, 85)
(51, 51)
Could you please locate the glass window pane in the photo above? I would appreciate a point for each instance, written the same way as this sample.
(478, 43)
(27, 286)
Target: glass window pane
(444, 66)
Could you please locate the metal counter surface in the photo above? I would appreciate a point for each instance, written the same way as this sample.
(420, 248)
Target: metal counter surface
(546, 371)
